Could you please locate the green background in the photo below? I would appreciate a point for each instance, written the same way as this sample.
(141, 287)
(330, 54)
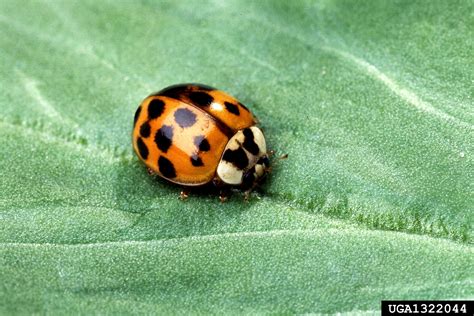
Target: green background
(372, 100)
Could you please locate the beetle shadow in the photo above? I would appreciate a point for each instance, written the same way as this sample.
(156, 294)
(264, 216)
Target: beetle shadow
(155, 212)
(135, 191)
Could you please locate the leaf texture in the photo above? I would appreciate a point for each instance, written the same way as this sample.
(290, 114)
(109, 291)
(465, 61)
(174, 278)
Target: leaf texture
(372, 100)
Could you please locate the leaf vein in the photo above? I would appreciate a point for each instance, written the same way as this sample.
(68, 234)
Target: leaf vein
(237, 235)
(403, 93)
(105, 153)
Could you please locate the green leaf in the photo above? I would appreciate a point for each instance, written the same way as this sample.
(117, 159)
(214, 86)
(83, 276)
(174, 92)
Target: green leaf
(372, 100)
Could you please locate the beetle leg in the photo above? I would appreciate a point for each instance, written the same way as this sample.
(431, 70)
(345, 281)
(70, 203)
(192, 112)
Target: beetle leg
(247, 195)
(224, 194)
(150, 171)
(183, 195)
(223, 198)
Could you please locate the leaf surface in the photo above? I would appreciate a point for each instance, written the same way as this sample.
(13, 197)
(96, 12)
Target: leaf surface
(372, 100)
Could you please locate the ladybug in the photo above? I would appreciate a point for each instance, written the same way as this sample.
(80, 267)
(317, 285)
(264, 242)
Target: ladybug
(193, 135)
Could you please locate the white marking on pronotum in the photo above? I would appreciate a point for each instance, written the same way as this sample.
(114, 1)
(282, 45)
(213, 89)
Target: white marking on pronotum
(259, 139)
(400, 91)
(229, 173)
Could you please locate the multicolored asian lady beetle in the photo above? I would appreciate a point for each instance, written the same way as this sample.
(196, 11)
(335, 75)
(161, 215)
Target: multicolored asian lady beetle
(193, 134)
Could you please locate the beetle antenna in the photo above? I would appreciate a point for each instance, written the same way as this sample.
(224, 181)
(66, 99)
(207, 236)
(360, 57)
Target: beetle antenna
(276, 160)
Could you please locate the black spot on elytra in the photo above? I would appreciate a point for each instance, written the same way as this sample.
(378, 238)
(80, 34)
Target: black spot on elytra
(196, 161)
(164, 137)
(200, 98)
(249, 142)
(202, 143)
(166, 168)
(137, 114)
(232, 108)
(145, 130)
(142, 148)
(175, 92)
(237, 157)
(184, 117)
(155, 108)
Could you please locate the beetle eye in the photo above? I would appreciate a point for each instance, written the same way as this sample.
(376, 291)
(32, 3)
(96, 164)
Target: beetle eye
(264, 161)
